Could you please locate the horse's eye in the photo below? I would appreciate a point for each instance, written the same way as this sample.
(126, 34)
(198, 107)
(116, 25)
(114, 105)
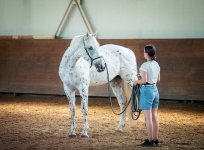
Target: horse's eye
(90, 48)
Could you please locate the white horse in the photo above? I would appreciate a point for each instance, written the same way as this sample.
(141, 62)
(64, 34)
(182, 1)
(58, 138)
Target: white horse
(77, 73)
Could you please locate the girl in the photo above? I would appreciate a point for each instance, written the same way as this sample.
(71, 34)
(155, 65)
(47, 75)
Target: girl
(149, 96)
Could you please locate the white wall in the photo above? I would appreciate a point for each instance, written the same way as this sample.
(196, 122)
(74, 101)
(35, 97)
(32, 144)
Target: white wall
(112, 19)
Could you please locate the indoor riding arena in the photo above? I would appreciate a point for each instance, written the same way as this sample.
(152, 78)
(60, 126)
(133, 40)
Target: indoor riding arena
(35, 113)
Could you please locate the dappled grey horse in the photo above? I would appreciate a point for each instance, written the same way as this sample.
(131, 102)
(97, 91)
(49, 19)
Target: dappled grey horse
(77, 73)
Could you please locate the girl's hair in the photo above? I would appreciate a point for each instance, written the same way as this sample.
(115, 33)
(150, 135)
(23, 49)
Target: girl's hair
(151, 51)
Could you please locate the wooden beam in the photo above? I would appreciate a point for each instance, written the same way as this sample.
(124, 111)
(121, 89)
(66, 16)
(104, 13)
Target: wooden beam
(67, 12)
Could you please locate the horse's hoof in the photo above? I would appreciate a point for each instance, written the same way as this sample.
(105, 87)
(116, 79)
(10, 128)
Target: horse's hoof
(84, 136)
(119, 130)
(72, 136)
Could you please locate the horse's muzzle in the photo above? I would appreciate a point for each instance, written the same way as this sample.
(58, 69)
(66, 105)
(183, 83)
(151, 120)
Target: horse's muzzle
(100, 67)
(99, 63)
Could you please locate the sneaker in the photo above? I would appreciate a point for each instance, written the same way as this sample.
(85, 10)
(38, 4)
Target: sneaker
(157, 143)
(147, 143)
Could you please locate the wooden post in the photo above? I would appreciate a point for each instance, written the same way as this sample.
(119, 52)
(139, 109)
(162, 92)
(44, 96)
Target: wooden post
(68, 10)
(59, 29)
(84, 17)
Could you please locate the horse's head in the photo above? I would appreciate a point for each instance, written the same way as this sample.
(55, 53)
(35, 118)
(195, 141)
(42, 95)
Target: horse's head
(91, 46)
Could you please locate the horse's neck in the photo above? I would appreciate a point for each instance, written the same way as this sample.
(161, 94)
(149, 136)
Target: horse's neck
(73, 59)
(70, 58)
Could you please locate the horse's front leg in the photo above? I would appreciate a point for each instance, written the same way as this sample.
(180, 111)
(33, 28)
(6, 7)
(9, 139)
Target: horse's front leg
(71, 96)
(84, 109)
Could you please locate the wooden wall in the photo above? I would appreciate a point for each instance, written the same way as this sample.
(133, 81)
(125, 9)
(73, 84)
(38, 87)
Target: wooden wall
(31, 66)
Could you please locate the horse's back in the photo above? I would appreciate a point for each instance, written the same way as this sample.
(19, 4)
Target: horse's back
(119, 51)
(113, 48)
(121, 58)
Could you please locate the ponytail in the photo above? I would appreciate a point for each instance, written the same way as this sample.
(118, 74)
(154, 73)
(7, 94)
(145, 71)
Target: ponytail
(151, 51)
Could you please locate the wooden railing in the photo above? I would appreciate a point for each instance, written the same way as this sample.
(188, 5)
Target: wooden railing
(31, 65)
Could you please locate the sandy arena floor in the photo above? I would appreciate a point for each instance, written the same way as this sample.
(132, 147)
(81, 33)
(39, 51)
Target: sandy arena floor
(43, 122)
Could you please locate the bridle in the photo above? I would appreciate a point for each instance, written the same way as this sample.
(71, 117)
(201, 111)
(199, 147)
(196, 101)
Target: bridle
(92, 59)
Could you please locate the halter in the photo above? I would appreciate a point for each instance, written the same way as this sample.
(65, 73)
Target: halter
(92, 59)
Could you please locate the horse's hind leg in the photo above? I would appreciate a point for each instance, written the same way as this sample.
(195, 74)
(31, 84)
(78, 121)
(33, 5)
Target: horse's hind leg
(71, 96)
(116, 85)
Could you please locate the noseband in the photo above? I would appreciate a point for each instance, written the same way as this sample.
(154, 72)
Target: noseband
(92, 59)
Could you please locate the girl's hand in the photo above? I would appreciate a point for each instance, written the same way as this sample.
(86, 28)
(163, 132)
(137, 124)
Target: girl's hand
(139, 76)
(135, 82)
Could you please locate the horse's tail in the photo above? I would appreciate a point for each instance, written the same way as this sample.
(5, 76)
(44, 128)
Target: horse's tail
(127, 89)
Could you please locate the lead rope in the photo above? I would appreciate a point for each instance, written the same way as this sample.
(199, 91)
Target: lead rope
(135, 110)
(110, 99)
(135, 102)
(92, 59)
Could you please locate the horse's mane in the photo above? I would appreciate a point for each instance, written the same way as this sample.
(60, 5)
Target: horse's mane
(75, 41)
(71, 51)
(75, 44)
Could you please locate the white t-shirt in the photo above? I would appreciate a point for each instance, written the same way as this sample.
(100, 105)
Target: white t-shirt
(153, 69)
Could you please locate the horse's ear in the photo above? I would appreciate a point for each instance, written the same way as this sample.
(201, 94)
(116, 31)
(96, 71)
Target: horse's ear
(94, 34)
(87, 34)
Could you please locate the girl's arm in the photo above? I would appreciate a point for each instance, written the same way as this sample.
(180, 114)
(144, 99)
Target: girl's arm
(158, 79)
(143, 78)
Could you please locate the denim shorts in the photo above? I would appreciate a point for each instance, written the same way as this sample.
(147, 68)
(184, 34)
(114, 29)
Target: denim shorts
(149, 97)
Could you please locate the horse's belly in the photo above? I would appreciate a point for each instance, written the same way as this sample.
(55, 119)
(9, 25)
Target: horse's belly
(97, 78)
(100, 78)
